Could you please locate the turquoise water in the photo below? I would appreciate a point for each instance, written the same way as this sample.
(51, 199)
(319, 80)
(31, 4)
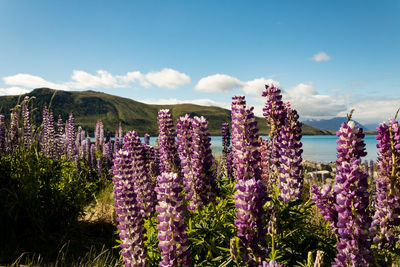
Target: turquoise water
(320, 148)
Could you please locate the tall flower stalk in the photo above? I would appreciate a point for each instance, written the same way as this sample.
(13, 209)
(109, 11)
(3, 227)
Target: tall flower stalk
(250, 193)
(289, 148)
(282, 153)
(169, 160)
(27, 128)
(174, 243)
(60, 144)
(387, 201)
(70, 136)
(129, 216)
(13, 132)
(194, 150)
(346, 207)
(144, 187)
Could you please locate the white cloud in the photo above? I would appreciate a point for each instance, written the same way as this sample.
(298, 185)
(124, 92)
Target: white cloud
(256, 86)
(226, 83)
(13, 91)
(373, 110)
(84, 80)
(312, 105)
(218, 83)
(31, 81)
(173, 101)
(320, 57)
(134, 76)
(168, 78)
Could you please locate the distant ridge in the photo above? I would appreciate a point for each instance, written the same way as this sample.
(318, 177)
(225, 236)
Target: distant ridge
(330, 124)
(90, 106)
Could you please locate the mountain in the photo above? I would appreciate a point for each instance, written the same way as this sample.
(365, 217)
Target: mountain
(90, 106)
(330, 124)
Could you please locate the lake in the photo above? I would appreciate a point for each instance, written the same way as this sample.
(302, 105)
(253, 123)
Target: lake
(318, 148)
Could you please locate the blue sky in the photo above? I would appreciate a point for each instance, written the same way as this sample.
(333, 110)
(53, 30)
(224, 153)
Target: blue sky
(327, 56)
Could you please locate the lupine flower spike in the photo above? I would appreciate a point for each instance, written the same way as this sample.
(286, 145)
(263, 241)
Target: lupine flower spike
(174, 243)
(169, 160)
(250, 195)
(129, 216)
(387, 200)
(346, 207)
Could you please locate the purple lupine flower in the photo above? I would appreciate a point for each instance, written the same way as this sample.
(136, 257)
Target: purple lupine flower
(387, 200)
(244, 141)
(27, 129)
(352, 198)
(249, 201)
(350, 143)
(325, 200)
(70, 136)
(52, 146)
(184, 139)
(99, 135)
(45, 134)
(78, 141)
(144, 186)
(82, 147)
(265, 164)
(174, 243)
(346, 207)
(250, 196)
(205, 185)
(48, 134)
(289, 148)
(169, 161)
(60, 145)
(129, 216)
(353, 223)
(13, 133)
(274, 110)
(107, 152)
(196, 159)
(3, 144)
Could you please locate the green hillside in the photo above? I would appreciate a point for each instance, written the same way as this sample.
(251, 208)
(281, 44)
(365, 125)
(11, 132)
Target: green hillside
(90, 106)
